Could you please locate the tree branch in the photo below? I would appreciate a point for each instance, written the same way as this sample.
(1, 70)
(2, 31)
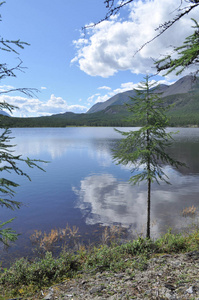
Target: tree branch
(113, 10)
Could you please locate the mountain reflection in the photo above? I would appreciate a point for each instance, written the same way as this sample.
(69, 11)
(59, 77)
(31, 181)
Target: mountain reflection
(103, 199)
(56, 145)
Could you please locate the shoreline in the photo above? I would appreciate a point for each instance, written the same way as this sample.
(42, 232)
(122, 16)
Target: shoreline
(141, 269)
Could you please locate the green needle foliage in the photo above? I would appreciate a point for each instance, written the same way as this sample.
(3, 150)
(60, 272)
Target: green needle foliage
(145, 149)
(186, 55)
(9, 163)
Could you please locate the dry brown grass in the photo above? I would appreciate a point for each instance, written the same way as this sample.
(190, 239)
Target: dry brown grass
(44, 242)
(112, 233)
(189, 211)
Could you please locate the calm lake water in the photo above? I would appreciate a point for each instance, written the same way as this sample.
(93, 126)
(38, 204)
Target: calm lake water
(82, 186)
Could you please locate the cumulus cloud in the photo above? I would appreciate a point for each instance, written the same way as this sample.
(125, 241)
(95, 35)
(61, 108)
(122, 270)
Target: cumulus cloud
(35, 107)
(111, 45)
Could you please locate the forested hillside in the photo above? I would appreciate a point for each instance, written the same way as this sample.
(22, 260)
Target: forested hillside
(183, 95)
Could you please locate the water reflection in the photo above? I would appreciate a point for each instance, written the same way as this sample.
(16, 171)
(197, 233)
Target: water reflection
(103, 199)
(57, 141)
(98, 142)
(101, 152)
(82, 186)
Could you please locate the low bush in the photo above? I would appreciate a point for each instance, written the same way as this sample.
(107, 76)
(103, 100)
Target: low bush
(24, 275)
(40, 272)
(170, 242)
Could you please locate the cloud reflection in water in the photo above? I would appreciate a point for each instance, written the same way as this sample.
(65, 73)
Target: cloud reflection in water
(103, 199)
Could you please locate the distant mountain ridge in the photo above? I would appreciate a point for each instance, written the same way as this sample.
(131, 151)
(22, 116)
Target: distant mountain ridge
(183, 86)
(4, 113)
(184, 94)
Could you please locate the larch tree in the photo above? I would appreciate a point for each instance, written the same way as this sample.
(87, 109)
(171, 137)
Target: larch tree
(145, 149)
(8, 160)
(183, 56)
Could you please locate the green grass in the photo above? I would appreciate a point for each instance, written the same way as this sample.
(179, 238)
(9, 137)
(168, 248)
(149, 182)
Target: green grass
(25, 277)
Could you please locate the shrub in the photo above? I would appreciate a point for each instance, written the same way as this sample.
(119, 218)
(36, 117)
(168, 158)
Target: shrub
(139, 246)
(41, 271)
(170, 242)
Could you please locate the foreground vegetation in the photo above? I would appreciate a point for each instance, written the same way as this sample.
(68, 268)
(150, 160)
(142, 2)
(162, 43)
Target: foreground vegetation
(24, 278)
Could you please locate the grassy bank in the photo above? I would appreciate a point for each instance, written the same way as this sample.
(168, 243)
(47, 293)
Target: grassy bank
(24, 277)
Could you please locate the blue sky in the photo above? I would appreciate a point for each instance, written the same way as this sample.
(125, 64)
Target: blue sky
(73, 71)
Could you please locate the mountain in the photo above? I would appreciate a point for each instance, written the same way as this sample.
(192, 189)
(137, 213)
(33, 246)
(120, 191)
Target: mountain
(4, 113)
(183, 94)
(118, 99)
(182, 86)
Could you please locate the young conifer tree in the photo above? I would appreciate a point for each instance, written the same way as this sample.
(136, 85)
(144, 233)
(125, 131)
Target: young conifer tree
(145, 149)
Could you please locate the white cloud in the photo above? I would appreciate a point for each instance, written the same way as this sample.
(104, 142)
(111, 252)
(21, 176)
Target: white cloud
(91, 98)
(43, 88)
(101, 98)
(4, 88)
(127, 86)
(104, 88)
(35, 107)
(112, 44)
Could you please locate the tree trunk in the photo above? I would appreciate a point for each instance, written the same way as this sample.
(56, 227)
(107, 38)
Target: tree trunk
(149, 181)
(148, 209)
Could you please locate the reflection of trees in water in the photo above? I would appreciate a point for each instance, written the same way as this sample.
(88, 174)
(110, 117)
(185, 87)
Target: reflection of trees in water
(103, 199)
(114, 201)
(185, 148)
(187, 152)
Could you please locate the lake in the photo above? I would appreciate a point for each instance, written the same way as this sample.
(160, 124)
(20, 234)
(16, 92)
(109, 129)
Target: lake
(83, 187)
